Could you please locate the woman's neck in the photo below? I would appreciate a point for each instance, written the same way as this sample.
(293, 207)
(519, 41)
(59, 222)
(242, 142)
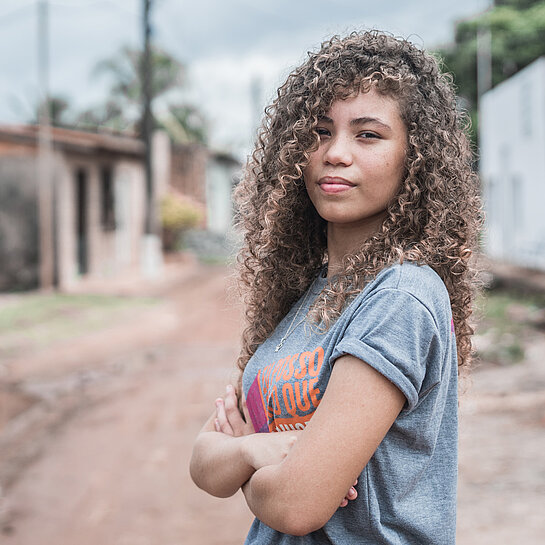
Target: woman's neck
(343, 240)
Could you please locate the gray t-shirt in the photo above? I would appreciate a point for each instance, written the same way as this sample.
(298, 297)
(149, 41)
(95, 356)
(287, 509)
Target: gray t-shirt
(401, 325)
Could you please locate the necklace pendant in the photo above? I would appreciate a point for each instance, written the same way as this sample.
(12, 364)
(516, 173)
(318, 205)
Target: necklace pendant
(293, 327)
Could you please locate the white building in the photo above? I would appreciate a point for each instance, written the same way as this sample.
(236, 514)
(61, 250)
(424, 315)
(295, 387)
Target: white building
(512, 141)
(222, 173)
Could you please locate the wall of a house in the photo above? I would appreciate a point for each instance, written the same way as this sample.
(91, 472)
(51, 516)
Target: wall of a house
(162, 162)
(130, 199)
(188, 174)
(66, 225)
(512, 164)
(220, 176)
(18, 222)
(110, 251)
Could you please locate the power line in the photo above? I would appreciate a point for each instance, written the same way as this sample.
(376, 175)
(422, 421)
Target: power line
(91, 3)
(8, 16)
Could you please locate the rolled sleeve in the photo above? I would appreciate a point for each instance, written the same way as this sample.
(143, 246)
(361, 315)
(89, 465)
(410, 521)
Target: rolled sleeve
(396, 334)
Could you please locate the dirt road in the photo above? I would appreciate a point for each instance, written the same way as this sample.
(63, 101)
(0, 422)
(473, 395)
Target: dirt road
(115, 469)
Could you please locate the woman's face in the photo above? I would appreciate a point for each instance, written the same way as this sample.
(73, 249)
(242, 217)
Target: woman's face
(359, 163)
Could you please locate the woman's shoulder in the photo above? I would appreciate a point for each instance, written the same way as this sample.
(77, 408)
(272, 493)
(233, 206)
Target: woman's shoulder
(420, 282)
(409, 276)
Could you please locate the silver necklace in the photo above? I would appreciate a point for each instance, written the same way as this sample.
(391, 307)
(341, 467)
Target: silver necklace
(292, 327)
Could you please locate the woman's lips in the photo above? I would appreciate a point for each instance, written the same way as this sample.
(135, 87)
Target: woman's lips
(331, 184)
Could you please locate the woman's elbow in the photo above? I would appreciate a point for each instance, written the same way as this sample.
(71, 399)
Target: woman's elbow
(297, 523)
(206, 480)
(287, 503)
(210, 485)
(198, 476)
(298, 516)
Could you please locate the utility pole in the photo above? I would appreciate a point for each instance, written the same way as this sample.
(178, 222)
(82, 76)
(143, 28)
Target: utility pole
(44, 178)
(147, 118)
(256, 95)
(151, 250)
(484, 54)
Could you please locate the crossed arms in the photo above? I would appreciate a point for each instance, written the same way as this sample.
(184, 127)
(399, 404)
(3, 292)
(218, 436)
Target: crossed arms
(295, 481)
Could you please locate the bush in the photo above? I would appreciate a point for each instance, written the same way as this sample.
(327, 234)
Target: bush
(178, 214)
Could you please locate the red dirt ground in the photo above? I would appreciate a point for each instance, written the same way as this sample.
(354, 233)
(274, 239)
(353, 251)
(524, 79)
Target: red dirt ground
(114, 469)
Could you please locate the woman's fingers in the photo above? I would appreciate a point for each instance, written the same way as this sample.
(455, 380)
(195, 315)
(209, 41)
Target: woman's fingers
(263, 449)
(221, 418)
(352, 494)
(231, 410)
(228, 417)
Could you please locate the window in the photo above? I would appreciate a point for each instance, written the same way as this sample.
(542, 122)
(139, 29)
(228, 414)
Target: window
(107, 200)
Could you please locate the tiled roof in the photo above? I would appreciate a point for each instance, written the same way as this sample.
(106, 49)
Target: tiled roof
(73, 141)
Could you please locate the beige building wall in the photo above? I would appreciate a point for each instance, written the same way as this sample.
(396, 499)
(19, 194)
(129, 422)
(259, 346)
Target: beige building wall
(113, 241)
(65, 226)
(162, 163)
(188, 171)
(109, 252)
(130, 213)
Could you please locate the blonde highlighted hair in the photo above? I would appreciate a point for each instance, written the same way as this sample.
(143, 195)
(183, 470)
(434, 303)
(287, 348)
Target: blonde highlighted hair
(433, 219)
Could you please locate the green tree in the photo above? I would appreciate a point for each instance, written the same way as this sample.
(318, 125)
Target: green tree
(517, 4)
(125, 71)
(517, 38)
(122, 111)
(108, 115)
(58, 108)
(184, 123)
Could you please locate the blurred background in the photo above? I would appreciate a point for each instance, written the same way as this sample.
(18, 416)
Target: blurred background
(124, 126)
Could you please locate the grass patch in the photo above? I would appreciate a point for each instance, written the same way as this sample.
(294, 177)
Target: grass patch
(37, 320)
(506, 320)
(215, 259)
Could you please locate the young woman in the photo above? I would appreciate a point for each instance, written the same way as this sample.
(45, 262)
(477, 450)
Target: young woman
(360, 213)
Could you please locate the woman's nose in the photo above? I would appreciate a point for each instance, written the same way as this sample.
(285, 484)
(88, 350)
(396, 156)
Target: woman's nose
(338, 152)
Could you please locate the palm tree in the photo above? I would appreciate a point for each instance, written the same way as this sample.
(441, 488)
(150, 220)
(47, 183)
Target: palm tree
(121, 112)
(57, 108)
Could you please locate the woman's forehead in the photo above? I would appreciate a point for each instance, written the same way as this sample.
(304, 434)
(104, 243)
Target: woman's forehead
(370, 98)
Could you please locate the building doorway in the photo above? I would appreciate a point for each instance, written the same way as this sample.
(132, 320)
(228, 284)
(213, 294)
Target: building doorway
(81, 221)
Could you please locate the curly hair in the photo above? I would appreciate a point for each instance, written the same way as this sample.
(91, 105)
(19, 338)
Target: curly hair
(433, 219)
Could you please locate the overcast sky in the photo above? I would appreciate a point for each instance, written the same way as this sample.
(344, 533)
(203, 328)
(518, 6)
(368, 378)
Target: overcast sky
(226, 45)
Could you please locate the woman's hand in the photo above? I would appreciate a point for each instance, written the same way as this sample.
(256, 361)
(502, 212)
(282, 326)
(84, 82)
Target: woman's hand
(352, 494)
(260, 449)
(265, 449)
(345, 444)
(228, 418)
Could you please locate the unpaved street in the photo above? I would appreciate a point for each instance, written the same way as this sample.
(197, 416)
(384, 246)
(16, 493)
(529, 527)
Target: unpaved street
(114, 469)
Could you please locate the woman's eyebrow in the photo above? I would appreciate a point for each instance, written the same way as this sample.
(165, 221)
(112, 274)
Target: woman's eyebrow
(357, 121)
(366, 119)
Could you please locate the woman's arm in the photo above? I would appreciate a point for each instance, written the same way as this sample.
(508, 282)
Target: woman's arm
(218, 465)
(300, 494)
(226, 452)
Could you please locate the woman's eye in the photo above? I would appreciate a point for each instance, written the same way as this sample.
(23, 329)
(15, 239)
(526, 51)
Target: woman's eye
(367, 134)
(322, 132)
